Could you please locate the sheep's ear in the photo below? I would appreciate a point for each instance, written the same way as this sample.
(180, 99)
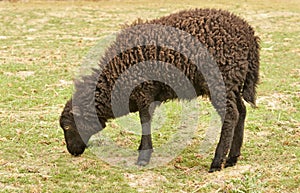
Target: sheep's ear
(76, 111)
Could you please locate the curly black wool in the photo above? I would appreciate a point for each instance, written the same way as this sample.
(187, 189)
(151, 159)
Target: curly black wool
(226, 38)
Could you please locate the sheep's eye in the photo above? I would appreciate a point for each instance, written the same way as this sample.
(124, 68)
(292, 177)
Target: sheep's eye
(67, 128)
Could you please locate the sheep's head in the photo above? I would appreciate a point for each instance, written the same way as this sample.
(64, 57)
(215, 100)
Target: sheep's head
(76, 143)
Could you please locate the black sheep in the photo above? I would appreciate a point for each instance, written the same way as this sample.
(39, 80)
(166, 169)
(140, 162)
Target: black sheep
(228, 39)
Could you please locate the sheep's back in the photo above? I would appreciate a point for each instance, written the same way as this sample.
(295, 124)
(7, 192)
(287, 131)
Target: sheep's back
(226, 37)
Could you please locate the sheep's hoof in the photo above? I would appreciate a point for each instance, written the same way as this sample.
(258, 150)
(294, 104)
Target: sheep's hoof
(144, 157)
(231, 161)
(211, 170)
(216, 166)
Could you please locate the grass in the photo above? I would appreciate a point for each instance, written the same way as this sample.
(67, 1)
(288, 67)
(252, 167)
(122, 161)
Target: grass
(43, 44)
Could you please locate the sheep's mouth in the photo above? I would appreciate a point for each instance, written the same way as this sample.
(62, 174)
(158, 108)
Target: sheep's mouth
(76, 155)
(76, 149)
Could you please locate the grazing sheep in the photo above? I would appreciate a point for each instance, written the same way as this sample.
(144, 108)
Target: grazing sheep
(228, 39)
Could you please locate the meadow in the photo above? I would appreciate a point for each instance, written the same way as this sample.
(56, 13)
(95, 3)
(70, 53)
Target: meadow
(42, 46)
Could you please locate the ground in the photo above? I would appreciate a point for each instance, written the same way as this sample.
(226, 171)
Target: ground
(42, 45)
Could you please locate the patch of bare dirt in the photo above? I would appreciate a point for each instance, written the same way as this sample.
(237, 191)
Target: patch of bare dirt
(277, 101)
(143, 181)
(20, 74)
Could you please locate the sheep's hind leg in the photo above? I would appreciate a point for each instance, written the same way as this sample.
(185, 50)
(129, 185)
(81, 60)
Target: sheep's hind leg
(235, 150)
(226, 138)
(145, 148)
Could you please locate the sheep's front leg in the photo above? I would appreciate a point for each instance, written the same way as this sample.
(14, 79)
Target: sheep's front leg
(229, 124)
(145, 148)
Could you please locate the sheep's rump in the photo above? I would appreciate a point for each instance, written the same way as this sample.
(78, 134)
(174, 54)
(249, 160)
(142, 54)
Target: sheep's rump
(228, 39)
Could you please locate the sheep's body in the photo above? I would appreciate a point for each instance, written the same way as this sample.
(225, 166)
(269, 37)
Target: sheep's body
(231, 42)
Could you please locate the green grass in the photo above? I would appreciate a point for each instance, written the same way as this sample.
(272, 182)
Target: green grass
(42, 45)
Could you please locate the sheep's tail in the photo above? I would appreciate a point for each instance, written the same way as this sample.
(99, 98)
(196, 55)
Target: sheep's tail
(252, 76)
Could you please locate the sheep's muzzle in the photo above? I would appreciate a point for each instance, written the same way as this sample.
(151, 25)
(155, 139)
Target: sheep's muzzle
(75, 144)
